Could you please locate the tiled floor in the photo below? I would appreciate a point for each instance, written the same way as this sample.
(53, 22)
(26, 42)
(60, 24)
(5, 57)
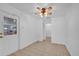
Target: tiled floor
(45, 48)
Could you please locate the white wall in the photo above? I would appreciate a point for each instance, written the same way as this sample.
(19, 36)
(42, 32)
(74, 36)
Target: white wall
(1, 31)
(29, 32)
(65, 30)
(9, 43)
(59, 32)
(73, 29)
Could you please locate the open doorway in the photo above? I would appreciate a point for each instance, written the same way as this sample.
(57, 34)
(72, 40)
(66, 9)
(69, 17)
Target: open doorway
(48, 31)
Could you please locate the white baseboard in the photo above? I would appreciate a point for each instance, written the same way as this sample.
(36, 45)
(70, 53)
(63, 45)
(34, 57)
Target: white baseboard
(26, 45)
(57, 42)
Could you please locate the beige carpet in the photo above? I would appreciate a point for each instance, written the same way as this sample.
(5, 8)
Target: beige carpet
(45, 48)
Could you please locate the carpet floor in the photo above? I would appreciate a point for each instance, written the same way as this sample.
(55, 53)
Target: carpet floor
(44, 48)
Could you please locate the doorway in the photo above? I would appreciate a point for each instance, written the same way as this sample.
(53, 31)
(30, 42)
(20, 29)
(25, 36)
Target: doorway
(48, 31)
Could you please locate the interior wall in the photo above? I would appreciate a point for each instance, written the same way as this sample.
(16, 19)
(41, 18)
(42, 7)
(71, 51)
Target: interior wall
(65, 30)
(59, 32)
(72, 18)
(9, 43)
(29, 31)
(1, 30)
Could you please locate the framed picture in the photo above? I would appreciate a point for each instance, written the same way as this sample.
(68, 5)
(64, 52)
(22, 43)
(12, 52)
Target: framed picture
(10, 26)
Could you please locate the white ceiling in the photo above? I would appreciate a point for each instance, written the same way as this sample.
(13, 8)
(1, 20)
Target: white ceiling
(60, 8)
(29, 8)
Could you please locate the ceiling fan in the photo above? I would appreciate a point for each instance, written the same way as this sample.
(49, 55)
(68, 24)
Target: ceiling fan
(44, 11)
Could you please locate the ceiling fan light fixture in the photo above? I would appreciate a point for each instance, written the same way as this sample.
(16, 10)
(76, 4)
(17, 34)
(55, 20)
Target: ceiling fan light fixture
(43, 11)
